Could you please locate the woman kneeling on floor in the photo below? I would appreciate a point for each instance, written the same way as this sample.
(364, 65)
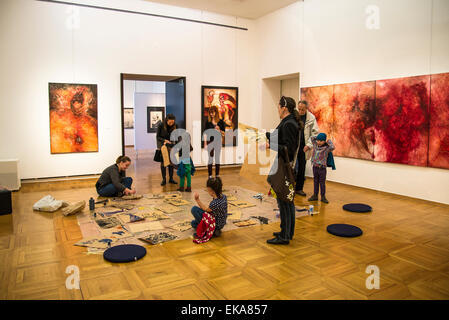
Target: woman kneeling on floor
(113, 182)
(215, 213)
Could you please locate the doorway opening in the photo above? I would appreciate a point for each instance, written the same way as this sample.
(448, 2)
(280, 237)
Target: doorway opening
(146, 100)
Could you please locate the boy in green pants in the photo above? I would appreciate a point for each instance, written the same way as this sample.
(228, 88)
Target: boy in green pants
(185, 171)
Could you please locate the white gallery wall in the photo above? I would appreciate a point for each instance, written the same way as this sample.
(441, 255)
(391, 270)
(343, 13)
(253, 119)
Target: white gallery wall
(45, 42)
(412, 39)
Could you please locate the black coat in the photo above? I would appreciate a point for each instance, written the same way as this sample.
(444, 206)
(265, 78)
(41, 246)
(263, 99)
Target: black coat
(288, 136)
(163, 134)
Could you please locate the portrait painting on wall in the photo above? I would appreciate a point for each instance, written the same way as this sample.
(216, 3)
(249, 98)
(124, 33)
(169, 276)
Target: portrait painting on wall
(225, 99)
(73, 118)
(128, 118)
(155, 116)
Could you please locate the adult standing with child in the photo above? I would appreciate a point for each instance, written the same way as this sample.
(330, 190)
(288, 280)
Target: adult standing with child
(285, 140)
(305, 148)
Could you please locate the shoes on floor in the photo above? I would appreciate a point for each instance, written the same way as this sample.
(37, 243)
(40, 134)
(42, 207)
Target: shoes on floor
(300, 193)
(323, 199)
(172, 181)
(313, 198)
(188, 189)
(278, 241)
(181, 189)
(278, 234)
(164, 182)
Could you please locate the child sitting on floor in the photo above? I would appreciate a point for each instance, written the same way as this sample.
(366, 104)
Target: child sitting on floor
(321, 150)
(218, 207)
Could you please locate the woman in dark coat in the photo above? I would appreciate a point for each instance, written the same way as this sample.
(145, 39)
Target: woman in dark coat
(163, 138)
(285, 140)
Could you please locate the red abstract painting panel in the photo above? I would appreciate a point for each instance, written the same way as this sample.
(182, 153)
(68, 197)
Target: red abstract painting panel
(439, 121)
(354, 115)
(320, 104)
(402, 122)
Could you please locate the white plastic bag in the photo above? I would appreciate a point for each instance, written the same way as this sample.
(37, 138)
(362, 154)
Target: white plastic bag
(48, 204)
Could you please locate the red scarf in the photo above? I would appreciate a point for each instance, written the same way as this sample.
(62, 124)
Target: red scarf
(205, 229)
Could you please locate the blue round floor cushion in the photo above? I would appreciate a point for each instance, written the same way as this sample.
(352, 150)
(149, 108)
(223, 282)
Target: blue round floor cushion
(344, 230)
(357, 207)
(124, 253)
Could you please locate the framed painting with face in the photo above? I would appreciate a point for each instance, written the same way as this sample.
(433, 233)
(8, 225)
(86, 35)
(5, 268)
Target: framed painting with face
(155, 116)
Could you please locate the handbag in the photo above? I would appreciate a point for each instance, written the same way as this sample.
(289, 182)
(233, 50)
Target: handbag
(158, 156)
(282, 180)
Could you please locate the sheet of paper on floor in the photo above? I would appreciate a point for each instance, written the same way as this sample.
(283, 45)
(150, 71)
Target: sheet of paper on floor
(144, 226)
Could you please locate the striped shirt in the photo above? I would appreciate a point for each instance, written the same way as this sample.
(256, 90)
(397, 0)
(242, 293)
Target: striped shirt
(319, 155)
(219, 207)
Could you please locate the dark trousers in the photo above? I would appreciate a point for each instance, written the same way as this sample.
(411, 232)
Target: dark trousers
(319, 180)
(164, 172)
(300, 170)
(287, 214)
(214, 153)
(110, 190)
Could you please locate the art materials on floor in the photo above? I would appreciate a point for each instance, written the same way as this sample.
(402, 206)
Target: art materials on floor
(74, 208)
(245, 223)
(178, 202)
(130, 217)
(168, 208)
(107, 223)
(145, 226)
(234, 213)
(182, 225)
(158, 237)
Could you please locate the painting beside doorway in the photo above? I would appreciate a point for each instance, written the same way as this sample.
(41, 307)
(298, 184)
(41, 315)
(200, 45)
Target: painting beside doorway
(226, 101)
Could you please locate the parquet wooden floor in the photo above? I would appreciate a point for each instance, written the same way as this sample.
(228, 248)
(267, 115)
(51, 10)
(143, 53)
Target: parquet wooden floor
(407, 239)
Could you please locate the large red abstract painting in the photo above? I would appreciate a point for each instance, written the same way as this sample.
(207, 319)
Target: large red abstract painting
(355, 115)
(439, 121)
(404, 120)
(320, 104)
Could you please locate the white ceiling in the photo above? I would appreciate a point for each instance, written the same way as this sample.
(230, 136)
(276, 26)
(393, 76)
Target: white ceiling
(251, 9)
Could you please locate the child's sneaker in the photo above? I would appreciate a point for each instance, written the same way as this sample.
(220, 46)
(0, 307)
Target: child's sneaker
(323, 199)
(181, 189)
(313, 198)
(188, 189)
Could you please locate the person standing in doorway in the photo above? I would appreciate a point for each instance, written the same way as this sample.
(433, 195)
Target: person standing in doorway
(163, 139)
(214, 149)
(304, 153)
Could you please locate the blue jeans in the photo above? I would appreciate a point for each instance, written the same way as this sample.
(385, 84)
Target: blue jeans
(288, 216)
(110, 190)
(197, 214)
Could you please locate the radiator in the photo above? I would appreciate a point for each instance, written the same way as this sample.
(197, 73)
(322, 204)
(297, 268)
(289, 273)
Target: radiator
(9, 174)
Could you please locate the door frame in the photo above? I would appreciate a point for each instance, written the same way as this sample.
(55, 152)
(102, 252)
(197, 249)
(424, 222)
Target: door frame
(145, 77)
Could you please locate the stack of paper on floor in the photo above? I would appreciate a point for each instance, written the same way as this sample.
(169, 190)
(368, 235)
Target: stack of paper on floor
(178, 202)
(153, 214)
(168, 208)
(122, 205)
(144, 226)
(107, 222)
(74, 208)
(159, 237)
(174, 195)
(130, 217)
(182, 225)
(97, 242)
(117, 232)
